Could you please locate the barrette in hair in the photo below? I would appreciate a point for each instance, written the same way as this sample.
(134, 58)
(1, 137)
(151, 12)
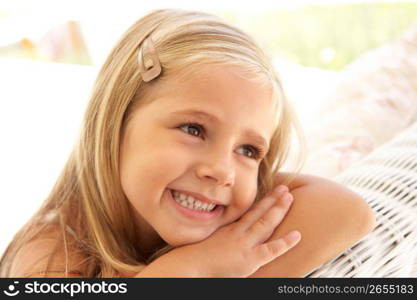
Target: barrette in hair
(149, 64)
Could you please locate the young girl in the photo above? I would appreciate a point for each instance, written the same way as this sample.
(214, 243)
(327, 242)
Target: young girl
(176, 171)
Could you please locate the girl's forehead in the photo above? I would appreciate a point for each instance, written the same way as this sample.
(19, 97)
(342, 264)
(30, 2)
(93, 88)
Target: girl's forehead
(221, 92)
(219, 81)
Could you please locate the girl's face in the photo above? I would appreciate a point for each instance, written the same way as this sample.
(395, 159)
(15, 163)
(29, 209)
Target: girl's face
(203, 137)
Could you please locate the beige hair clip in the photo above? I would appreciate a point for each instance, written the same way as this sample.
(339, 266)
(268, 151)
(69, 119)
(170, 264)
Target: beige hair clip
(149, 64)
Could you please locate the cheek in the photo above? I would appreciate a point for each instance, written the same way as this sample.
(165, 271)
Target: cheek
(149, 171)
(246, 194)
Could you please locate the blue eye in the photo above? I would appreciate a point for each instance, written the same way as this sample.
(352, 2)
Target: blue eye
(193, 128)
(197, 130)
(253, 152)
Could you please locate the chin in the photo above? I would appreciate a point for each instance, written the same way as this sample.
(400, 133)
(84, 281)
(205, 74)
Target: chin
(179, 240)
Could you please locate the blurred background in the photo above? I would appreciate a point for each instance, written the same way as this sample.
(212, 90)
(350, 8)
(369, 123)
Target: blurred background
(50, 52)
(321, 34)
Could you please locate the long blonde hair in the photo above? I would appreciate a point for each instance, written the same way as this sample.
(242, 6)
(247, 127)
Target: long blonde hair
(89, 186)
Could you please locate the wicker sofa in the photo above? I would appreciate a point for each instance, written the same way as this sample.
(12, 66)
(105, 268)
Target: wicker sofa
(387, 179)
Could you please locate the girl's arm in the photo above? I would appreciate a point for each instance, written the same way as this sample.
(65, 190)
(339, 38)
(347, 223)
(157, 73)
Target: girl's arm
(330, 218)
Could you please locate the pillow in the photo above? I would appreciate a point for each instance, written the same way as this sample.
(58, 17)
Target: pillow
(374, 99)
(387, 180)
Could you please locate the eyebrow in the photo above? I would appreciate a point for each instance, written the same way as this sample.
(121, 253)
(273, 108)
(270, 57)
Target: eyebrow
(214, 119)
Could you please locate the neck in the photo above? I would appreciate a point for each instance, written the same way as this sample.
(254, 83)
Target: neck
(148, 240)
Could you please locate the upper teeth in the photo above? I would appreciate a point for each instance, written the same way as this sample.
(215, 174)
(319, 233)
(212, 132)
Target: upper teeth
(191, 202)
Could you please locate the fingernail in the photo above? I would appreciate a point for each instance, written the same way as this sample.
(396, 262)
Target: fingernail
(287, 198)
(294, 236)
(281, 189)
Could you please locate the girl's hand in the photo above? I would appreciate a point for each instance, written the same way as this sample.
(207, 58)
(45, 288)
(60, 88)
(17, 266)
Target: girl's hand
(239, 249)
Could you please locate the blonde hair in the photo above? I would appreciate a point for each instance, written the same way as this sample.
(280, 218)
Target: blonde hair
(90, 184)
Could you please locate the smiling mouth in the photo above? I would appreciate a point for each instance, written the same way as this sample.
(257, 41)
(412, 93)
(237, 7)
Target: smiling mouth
(192, 203)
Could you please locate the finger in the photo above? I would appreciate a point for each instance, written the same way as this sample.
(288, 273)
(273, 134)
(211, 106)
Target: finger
(266, 224)
(267, 252)
(261, 207)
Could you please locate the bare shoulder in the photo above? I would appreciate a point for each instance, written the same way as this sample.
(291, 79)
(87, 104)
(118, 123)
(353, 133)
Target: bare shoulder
(330, 218)
(45, 257)
(302, 179)
(332, 200)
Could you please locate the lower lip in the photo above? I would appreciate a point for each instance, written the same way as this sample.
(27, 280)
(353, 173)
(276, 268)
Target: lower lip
(196, 214)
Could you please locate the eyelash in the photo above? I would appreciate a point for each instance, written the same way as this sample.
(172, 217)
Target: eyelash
(258, 152)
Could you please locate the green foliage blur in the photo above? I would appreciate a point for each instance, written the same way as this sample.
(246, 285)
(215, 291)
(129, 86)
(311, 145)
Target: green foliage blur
(328, 37)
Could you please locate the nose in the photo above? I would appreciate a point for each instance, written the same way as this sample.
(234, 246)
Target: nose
(217, 166)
